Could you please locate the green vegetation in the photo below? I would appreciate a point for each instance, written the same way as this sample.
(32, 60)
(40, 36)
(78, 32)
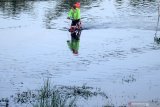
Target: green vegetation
(55, 96)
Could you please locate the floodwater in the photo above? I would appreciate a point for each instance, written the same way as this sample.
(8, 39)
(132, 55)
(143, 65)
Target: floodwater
(117, 53)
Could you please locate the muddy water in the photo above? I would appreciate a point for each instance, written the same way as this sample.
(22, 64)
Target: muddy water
(117, 52)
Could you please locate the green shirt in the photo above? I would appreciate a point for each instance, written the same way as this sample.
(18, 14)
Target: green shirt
(74, 14)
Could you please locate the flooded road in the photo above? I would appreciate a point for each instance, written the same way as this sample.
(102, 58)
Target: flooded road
(117, 53)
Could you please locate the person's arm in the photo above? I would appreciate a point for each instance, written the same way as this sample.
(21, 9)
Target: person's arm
(70, 13)
(78, 14)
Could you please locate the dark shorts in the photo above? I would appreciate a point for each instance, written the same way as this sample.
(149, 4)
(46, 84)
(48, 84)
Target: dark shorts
(74, 22)
(77, 32)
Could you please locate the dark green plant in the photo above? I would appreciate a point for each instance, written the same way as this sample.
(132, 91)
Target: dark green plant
(55, 96)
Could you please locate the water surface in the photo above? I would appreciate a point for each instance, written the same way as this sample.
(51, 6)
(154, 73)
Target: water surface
(117, 52)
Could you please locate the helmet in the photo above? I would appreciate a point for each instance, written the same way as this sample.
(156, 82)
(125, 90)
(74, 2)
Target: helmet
(77, 4)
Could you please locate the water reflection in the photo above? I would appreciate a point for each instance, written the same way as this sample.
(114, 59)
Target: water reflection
(141, 2)
(136, 2)
(51, 14)
(62, 7)
(15, 7)
(147, 5)
(73, 44)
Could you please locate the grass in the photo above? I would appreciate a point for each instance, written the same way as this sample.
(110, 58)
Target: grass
(57, 96)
